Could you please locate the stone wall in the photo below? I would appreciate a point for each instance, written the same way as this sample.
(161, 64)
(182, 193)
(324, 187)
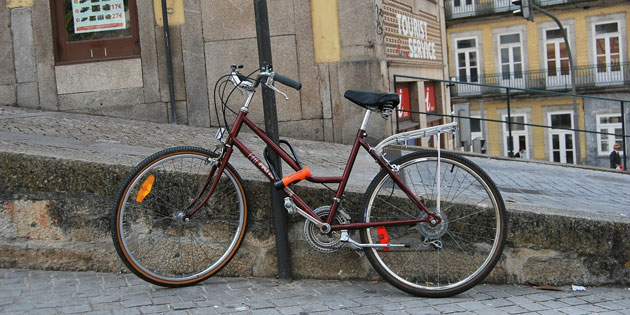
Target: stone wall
(54, 214)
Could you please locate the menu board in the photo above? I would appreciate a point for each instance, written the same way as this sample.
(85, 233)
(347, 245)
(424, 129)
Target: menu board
(98, 15)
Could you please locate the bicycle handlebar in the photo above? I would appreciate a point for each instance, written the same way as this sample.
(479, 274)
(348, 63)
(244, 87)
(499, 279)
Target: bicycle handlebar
(287, 81)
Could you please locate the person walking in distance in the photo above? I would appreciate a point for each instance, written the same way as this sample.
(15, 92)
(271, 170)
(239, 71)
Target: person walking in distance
(615, 157)
(520, 153)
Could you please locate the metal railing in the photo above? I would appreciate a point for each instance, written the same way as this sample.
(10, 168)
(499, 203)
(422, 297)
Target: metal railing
(506, 130)
(590, 76)
(455, 9)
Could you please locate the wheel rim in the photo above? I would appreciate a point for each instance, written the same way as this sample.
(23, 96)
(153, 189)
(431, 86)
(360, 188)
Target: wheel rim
(177, 224)
(382, 256)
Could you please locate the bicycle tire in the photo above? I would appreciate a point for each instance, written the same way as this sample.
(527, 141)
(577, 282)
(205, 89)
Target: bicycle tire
(149, 229)
(445, 259)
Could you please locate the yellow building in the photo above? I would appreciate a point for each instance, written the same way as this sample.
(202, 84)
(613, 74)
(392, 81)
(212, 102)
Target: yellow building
(489, 46)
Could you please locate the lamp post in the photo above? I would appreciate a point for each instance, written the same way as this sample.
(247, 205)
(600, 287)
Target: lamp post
(525, 10)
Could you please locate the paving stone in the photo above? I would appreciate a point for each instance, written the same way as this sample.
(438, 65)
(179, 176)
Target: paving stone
(182, 305)
(205, 310)
(127, 311)
(108, 306)
(76, 309)
(513, 309)
(573, 310)
(137, 300)
(472, 306)
(610, 305)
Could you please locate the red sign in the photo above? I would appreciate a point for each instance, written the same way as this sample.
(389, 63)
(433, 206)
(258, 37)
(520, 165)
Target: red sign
(429, 98)
(404, 105)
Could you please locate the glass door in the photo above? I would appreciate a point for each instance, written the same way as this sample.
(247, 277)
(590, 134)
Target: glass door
(561, 141)
(511, 59)
(519, 135)
(557, 60)
(608, 53)
(463, 7)
(467, 66)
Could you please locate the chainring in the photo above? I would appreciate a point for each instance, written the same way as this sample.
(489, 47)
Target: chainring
(325, 243)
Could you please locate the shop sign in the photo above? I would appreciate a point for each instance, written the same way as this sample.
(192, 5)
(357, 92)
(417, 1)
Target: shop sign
(429, 98)
(404, 106)
(98, 15)
(410, 37)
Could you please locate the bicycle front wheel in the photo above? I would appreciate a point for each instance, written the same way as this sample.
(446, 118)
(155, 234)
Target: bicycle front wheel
(150, 229)
(440, 259)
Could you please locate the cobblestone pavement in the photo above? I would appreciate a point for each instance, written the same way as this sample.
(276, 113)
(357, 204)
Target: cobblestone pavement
(527, 186)
(54, 292)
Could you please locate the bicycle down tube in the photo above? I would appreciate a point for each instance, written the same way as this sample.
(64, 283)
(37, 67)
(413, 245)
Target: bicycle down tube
(341, 180)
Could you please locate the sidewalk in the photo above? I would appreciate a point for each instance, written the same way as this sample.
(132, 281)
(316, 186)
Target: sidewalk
(47, 292)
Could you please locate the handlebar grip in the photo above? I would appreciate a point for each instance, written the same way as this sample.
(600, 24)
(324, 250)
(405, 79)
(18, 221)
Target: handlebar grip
(287, 81)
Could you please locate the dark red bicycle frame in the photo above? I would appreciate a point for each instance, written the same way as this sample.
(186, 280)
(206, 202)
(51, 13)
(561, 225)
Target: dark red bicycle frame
(359, 141)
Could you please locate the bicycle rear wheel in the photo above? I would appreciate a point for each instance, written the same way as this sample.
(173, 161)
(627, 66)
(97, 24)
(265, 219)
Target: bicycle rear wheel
(150, 231)
(445, 259)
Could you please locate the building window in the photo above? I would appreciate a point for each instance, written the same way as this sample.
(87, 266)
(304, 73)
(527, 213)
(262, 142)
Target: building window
(557, 59)
(609, 123)
(511, 59)
(519, 135)
(94, 30)
(608, 52)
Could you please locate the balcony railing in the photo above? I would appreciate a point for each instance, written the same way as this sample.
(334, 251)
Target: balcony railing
(591, 76)
(455, 9)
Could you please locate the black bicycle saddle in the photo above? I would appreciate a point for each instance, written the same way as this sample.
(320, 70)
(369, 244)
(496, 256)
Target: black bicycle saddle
(372, 100)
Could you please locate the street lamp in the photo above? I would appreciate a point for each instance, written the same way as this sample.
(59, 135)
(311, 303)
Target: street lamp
(525, 9)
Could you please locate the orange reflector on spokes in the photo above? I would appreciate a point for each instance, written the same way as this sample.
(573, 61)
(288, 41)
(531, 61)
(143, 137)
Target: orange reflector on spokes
(145, 189)
(383, 236)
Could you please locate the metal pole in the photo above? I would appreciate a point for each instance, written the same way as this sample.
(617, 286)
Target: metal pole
(280, 222)
(169, 62)
(509, 123)
(396, 90)
(623, 131)
(576, 135)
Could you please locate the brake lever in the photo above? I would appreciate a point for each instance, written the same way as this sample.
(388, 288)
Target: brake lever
(269, 84)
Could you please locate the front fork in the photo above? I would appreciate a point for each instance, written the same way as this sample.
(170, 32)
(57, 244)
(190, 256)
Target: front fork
(218, 167)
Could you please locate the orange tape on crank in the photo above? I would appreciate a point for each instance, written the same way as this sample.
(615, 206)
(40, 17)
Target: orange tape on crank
(299, 175)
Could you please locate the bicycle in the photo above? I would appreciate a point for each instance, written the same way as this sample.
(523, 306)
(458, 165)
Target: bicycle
(433, 222)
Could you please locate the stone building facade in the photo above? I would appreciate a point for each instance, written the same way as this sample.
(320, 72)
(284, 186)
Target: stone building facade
(52, 58)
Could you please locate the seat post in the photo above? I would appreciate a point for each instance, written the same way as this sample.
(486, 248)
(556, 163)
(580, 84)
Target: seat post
(366, 118)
